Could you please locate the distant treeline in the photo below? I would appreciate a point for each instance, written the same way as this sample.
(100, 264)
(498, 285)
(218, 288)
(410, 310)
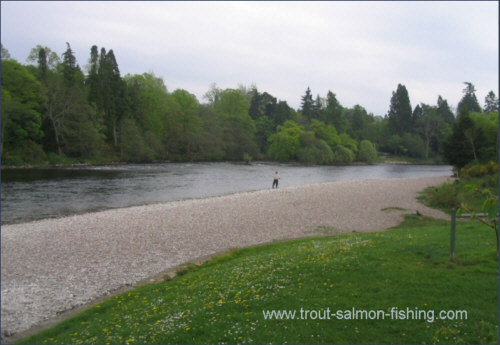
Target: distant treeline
(54, 113)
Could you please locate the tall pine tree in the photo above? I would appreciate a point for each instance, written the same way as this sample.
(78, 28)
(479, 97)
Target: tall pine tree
(469, 102)
(307, 105)
(490, 103)
(400, 113)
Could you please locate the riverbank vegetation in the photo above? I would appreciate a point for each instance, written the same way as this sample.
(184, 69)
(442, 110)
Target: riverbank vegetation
(453, 194)
(225, 300)
(55, 112)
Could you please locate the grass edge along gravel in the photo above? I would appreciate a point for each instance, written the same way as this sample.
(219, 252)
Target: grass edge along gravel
(223, 300)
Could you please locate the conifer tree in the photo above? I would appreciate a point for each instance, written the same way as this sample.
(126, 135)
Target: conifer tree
(400, 113)
(307, 105)
(469, 102)
(490, 103)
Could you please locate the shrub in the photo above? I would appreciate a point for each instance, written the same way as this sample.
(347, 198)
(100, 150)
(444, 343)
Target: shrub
(317, 153)
(445, 196)
(367, 152)
(342, 155)
(479, 170)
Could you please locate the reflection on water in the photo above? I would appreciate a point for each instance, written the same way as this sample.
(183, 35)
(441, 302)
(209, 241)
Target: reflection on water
(30, 194)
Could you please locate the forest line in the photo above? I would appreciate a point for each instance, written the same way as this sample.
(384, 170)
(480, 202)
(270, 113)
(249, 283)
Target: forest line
(54, 113)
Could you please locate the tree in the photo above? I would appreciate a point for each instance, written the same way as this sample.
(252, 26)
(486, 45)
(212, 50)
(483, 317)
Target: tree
(22, 104)
(490, 103)
(444, 111)
(5, 53)
(264, 129)
(53, 59)
(213, 94)
(282, 112)
(318, 107)
(400, 113)
(42, 63)
(429, 125)
(469, 102)
(325, 132)
(190, 121)
(487, 127)
(394, 143)
(111, 88)
(307, 105)
(261, 104)
(69, 66)
(238, 127)
(333, 114)
(457, 149)
(358, 118)
(286, 141)
(413, 145)
(156, 113)
(93, 83)
(133, 146)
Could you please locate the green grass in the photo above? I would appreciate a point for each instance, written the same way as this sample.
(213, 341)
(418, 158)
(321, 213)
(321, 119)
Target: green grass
(223, 301)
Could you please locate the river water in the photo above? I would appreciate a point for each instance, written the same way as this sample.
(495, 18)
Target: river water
(32, 194)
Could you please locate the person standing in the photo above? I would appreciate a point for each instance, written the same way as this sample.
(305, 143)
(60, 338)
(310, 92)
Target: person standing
(276, 179)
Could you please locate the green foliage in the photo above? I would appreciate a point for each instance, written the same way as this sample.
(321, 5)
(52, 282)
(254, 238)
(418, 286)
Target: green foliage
(486, 126)
(491, 103)
(223, 301)
(447, 196)
(469, 102)
(413, 145)
(348, 142)
(400, 113)
(133, 146)
(367, 152)
(238, 127)
(314, 151)
(459, 148)
(489, 207)
(22, 102)
(286, 141)
(307, 105)
(325, 132)
(52, 104)
(479, 170)
(264, 128)
(453, 194)
(343, 155)
(333, 113)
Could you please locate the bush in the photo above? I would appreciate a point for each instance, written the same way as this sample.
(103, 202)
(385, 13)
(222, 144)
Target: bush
(55, 159)
(445, 196)
(317, 153)
(414, 145)
(342, 155)
(367, 152)
(479, 170)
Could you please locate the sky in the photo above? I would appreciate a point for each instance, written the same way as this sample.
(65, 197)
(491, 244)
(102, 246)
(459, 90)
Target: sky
(358, 50)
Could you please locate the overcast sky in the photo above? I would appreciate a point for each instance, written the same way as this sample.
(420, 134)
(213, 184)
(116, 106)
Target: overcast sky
(358, 50)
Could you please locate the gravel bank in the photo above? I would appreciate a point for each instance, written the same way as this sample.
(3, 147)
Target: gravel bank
(54, 265)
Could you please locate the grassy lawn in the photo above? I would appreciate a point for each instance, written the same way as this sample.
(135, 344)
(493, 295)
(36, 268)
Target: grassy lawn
(223, 301)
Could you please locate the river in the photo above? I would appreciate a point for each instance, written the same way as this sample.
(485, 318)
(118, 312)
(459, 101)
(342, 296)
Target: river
(32, 194)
